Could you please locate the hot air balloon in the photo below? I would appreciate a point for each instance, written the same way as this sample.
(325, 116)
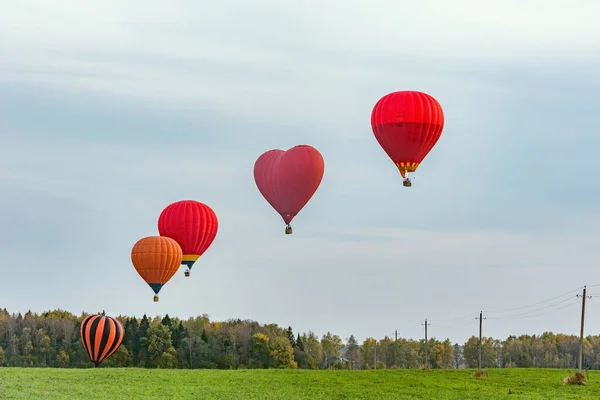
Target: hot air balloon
(407, 124)
(101, 336)
(156, 259)
(288, 179)
(193, 225)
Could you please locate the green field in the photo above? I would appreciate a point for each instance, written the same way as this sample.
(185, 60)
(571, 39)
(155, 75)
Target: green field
(109, 383)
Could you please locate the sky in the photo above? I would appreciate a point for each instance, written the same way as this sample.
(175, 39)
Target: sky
(111, 110)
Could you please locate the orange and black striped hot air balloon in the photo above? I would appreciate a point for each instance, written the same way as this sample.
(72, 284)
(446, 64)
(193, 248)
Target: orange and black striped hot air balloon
(156, 259)
(101, 336)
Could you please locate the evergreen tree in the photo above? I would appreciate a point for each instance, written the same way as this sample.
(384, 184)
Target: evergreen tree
(352, 349)
(166, 321)
(299, 343)
(142, 338)
(290, 336)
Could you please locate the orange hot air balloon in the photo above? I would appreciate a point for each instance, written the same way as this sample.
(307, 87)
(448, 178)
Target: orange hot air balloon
(156, 259)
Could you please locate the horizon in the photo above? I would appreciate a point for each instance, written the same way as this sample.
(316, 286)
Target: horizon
(541, 305)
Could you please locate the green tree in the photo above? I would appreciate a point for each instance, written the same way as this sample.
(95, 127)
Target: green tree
(131, 338)
(290, 336)
(159, 341)
(121, 358)
(313, 349)
(168, 359)
(26, 346)
(142, 341)
(368, 352)
(282, 353)
(62, 359)
(352, 351)
(458, 356)
(43, 345)
(411, 353)
(260, 350)
(471, 352)
(166, 320)
(332, 345)
(444, 354)
(299, 343)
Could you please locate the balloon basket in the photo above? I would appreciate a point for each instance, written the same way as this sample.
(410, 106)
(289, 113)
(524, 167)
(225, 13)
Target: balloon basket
(407, 183)
(288, 230)
(187, 273)
(155, 299)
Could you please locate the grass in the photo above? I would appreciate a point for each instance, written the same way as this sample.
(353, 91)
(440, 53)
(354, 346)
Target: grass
(108, 383)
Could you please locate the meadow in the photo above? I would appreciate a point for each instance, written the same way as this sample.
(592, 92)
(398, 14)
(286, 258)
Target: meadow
(134, 383)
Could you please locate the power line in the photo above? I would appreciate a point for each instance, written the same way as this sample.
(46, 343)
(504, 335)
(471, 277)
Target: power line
(562, 304)
(542, 313)
(453, 326)
(533, 304)
(470, 316)
(533, 311)
(500, 310)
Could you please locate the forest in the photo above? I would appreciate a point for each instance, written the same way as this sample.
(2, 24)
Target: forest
(51, 339)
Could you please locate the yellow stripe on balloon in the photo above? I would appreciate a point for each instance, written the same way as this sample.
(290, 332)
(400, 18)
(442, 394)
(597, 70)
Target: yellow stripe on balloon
(407, 166)
(190, 257)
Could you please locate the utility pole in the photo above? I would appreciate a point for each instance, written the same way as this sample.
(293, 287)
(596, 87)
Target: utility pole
(481, 318)
(375, 366)
(426, 345)
(395, 345)
(583, 297)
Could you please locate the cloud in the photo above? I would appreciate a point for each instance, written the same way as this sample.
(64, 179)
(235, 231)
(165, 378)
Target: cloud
(499, 29)
(272, 63)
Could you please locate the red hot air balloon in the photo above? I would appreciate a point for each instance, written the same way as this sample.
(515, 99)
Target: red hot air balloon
(101, 336)
(407, 125)
(288, 179)
(193, 225)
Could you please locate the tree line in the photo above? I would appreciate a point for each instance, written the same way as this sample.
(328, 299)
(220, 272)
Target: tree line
(51, 339)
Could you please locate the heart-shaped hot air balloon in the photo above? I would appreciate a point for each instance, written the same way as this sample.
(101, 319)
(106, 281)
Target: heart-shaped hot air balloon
(193, 225)
(101, 336)
(407, 124)
(288, 179)
(156, 259)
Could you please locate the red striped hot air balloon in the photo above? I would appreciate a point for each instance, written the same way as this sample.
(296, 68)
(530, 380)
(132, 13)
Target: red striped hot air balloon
(407, 124)
(101, 336)
(289, 179)
(193, 225)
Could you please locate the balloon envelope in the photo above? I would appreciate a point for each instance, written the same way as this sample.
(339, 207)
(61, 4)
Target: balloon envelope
(192, 224)
(288, 179)
(156, 259)
(407, 124)
(101, 336)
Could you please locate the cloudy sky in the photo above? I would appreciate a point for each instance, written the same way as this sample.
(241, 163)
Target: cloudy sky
(110, 110)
